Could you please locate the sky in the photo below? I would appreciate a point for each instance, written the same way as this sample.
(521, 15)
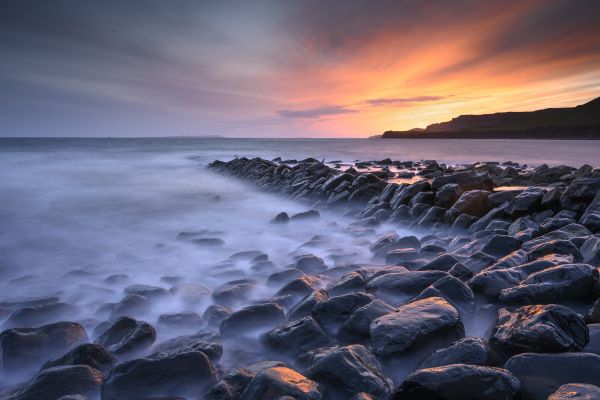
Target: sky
(276, 68)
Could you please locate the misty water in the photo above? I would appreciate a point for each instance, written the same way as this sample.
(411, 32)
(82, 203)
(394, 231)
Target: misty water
(76, 211)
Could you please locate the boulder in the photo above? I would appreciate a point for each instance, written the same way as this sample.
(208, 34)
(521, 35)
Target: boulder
(147, 291)
(396, 285)
(252, 319)
(280, 383)
(184, 374)
(233, 292)
(415, 325)
(333, 312)
(281, 218)
(542, 374)
(348, 283)
(132, 304)
(540, 328)
(37, 315)
(454, 291)
(591, 216)
(465, 180)
(474, 203)
(563, 283)
(521, 224)
(232, 385)
(183, 320)
(565, 233)
(470, 350)
(127, 336)
(24, 348)
(214, 314)
(442, 262)
(305, 307)
(59, 381)
(500, 245)
(576, 391)
(564, 247)
(525, 203)
(590, 251)
(310, 264)
(203, 342)
(94, 355)
(350, 370)
(580, 193)
(296, 337)
(447, 195)
(459, 382)
(358, 325)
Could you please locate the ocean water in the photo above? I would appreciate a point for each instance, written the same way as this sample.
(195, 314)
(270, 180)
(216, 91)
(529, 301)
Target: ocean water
(75, 211)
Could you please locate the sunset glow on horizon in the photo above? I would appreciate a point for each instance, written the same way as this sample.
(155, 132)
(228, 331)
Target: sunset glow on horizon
(287, 69)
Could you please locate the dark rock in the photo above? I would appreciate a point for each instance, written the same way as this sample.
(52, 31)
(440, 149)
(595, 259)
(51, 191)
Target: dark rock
(288, 274)
(415, 325)
(591, 216)
(474, 203)
(525, 203)
(564, 247)
(56, 382)
(190, 293)
(422, 197)
(133, 304)
(279, 382)
(235, 381)
(127, 336)
(463, 222)
(350, 370)
(396, 285)
(543, 374)
(590, 251)
(252, 319)
(577, 391)
(404, 194)
(470, 350)
(562, 283)
(296, 337)
(40, 314)
(22, 348)
(521, 224)
(358, 325)
(459, 382)
(183, 320)
(205, 343)
(146, 291)
(349, 283)
(94, 355)
(447, 195)
(234, 291)
(580, 193)
(281, 218)
(208, 242)
(441, 263)
(540, 328)
(454, 291)
(398, 256)
(185, 374)
(310, 214)
(465, 180)
(214, 314)
(500, 245)
(334, 311)
(503, 196)
(305, 307)
(310, 264)
(299, 287)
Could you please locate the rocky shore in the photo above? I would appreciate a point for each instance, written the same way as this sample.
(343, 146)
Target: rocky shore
(495, 296)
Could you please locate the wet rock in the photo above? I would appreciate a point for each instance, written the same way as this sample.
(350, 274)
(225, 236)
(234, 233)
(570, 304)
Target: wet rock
(40, 314)
(252, 319)
(184, 374)
(205, 343)
(454, 291)
(235, 381)
(441, 263)
(397, 285)
(311, 264)
(281, 218)
(590, 251)
(214, 314)
(521, 224)
(540, 328)
(562, 283)
(299, 287)
(525, 203)
(403, 194)
(399, 256)
(281, 277)
(349, 370)
(183, 320)
(279, 382)
(465, 180)
(580, 193)
(565, 233)
(474, 203)
(591, 216)
(146, 291)
(500, 245)
(94, 355)
(22, 348)
(462, 222)
(190, 293)
(422, 197)
(208, 242)
(447, 195)
(459, 382)
(542, 374)
(358, 325)
(348, 283)
(296, 337)
(234, 291)
(577, 391)
(56, 382)
(127, 336)
(310, 214)
(470, 350)
(133, 305)
(415, 325)
(305, 307)
(334, 311)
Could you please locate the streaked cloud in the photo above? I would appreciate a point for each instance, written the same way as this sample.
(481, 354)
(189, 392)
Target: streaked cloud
(400, 101)
(317, 112)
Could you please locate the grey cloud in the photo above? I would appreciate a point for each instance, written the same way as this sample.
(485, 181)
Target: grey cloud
(314, 113)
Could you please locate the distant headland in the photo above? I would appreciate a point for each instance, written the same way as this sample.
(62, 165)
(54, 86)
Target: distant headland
(580, 122)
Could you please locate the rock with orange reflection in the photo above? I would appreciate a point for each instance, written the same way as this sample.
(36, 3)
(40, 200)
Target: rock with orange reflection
(459, 382)
(350, 369)
(576, 391)
(416, 325)
(539, 328)
(279, 382)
